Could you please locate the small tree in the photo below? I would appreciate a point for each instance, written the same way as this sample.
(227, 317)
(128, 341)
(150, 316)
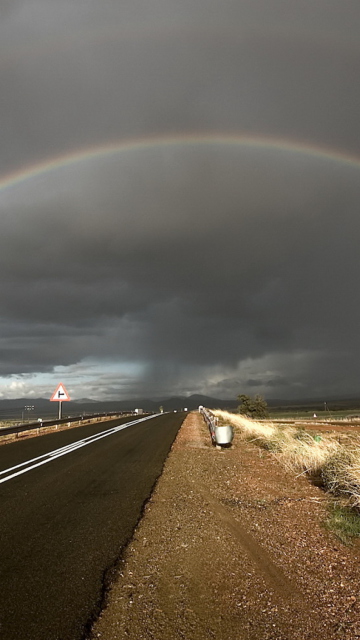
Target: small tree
(253, 407)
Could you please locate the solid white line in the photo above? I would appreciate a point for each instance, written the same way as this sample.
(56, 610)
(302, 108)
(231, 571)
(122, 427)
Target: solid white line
(58, 453)
(71, 445)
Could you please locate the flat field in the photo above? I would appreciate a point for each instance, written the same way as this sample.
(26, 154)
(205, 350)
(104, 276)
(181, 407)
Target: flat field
(328, 425)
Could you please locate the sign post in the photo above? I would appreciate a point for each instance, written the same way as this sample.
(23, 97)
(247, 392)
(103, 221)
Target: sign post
(60, 395)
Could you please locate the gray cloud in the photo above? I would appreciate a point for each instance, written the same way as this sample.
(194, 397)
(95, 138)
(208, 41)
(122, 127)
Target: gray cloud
(210, 268)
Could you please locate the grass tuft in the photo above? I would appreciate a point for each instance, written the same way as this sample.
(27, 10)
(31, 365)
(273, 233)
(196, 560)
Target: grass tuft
(344, 522)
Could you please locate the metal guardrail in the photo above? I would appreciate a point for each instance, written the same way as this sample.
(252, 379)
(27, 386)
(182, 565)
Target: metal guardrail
(210, 420)
(220, 435)
(42, 424)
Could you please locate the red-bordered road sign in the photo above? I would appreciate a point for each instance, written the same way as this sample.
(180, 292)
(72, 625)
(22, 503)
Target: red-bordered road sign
(60, 394)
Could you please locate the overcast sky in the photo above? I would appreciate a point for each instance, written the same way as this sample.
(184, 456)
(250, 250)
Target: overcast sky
(180, 198)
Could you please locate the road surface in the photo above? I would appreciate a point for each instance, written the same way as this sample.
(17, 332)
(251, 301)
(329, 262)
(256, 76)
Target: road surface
(69, 504)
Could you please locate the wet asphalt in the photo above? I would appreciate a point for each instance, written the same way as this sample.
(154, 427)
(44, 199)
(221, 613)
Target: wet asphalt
(65, 523)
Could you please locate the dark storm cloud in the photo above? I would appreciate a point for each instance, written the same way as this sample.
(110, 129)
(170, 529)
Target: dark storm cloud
(210, 269)
(243, 69)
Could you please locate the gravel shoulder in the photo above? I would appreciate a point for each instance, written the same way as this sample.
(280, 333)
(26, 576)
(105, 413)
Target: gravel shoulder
(231, 546)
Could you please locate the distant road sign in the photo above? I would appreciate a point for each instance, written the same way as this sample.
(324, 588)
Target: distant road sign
(60, 394)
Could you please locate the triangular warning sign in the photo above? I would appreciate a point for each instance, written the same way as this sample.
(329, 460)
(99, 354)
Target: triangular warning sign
(60, 394)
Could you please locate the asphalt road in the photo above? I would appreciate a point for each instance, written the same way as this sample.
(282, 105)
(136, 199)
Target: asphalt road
(65, 519)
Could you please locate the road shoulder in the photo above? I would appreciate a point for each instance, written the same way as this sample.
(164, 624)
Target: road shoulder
(231, 547)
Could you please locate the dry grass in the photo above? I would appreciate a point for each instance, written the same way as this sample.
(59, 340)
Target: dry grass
(336, 464)
(246, 427)
(341, 474)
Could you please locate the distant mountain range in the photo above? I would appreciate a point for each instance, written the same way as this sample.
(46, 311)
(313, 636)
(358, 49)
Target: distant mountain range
(33, 408)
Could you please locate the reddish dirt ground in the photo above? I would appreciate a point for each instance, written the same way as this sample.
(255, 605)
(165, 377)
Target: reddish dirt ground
(232, 547)
(327, 427)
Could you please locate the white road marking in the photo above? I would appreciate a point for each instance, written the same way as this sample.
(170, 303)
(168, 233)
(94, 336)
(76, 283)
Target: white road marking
(28, 465)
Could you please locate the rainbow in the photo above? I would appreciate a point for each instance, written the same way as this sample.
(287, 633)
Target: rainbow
(274, 144)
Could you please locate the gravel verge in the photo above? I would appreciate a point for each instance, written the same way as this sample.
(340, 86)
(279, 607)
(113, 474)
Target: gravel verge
(232, 546)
